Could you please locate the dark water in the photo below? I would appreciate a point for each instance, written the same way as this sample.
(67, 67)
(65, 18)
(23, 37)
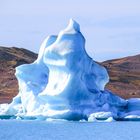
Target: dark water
(41, 130)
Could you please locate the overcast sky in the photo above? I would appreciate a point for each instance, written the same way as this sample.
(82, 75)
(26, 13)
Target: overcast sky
(111, 27)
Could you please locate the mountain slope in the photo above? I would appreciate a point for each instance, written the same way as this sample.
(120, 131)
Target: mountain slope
(124, 73)
(9, 59)
(124, 76)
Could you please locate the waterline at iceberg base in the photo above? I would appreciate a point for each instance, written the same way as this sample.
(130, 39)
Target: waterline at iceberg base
(64, 83)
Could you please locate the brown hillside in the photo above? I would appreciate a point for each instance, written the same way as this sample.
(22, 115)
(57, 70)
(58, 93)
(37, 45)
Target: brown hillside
(9, 59)
(124, 76)
(124, 73)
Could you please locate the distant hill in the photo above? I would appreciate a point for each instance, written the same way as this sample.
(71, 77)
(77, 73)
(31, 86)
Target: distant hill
(9, 59)
(124, 76)
(124, 73)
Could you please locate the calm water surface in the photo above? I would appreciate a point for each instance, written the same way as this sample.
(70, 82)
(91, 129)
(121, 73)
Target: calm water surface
(41, 130)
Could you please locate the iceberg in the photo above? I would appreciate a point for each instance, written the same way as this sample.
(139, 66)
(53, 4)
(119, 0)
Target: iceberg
(65, 83)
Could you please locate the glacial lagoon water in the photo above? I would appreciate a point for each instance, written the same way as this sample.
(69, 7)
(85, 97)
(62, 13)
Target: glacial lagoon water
(58, 130)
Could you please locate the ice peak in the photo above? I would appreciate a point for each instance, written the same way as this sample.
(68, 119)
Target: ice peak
(72, 26)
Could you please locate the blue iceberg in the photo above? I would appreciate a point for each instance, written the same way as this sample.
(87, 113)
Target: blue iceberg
(65, 83)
